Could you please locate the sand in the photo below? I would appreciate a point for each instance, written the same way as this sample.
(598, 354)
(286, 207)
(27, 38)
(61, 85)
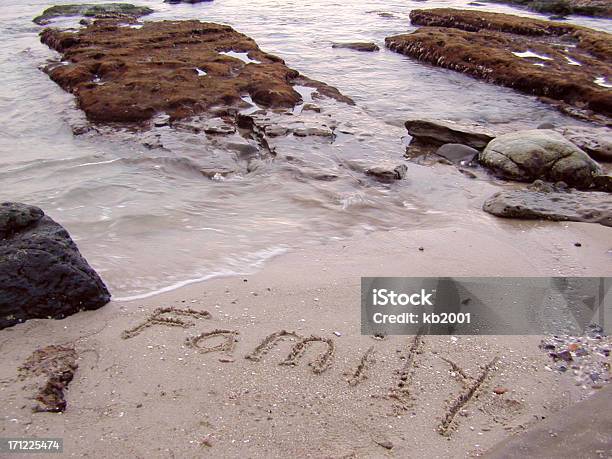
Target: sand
(170, 391)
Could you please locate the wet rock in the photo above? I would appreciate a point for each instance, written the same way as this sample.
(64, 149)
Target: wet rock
(603, 183)
(117, 10)
(54, 367)
(439, 132)
(596, 141)
(42, 273)
(546, 126)
(547, 202)
(457, 153)
(539, 154)
(125, 74)
(358, 46)
(387, 174)
(564, 64)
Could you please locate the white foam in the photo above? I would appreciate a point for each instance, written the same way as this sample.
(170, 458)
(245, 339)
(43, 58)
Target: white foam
(571, 61)
(601, 81)
(200, 72)
(238, 267)
(244, 57)
(538, 64)
(528, 54)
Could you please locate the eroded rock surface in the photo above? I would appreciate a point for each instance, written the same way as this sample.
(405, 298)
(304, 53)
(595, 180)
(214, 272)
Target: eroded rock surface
(539, 154)
(53, 367)
(42, 273)
(100, 10)
(549, 202)
(120, 73)
(564, 64)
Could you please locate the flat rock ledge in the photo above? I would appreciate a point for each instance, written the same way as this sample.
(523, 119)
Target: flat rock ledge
(563, 64)
(543, 201)
(42, 273)
(129, 72)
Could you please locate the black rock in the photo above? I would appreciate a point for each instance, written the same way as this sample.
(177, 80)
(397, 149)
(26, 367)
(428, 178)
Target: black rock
(42, 273)
(457, 153)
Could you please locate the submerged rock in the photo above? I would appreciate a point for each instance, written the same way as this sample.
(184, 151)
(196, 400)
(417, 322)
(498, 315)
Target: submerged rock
(42, 273)
(549, 202)
(115, 10)
(457, 153)
(564, 64)
(358, 46)
(182, 68)
(387, 174)
(539, 154)
(439, 132)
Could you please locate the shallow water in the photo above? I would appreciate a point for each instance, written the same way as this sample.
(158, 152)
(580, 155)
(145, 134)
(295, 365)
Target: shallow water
(147, 219)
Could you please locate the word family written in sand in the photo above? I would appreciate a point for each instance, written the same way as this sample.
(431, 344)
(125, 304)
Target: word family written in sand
(400, 393)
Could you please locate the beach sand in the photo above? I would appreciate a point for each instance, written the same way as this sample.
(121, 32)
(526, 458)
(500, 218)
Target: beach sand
(156, 394)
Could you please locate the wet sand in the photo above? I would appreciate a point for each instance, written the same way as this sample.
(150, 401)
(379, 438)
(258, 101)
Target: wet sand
(158, 393)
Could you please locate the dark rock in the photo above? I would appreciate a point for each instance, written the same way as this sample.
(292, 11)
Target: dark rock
(539, 154)
(42, 273)
(547, 202)
(457, 153)
(603, 183)
(358, 46)
(546, 126)
(440, 132)
(117, 10)
(483, 44)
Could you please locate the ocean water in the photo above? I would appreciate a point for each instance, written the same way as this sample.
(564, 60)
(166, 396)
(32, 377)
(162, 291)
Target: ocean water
(147, 220)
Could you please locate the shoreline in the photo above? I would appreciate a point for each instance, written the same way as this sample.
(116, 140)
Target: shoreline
(220, 403)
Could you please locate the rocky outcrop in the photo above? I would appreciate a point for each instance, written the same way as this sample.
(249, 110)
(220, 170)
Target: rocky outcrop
(357, 46)
(548, 202)
(42, 273)
(565, 7)
(539, 154)
(131, 72)
(564, 64)
(101, 10)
